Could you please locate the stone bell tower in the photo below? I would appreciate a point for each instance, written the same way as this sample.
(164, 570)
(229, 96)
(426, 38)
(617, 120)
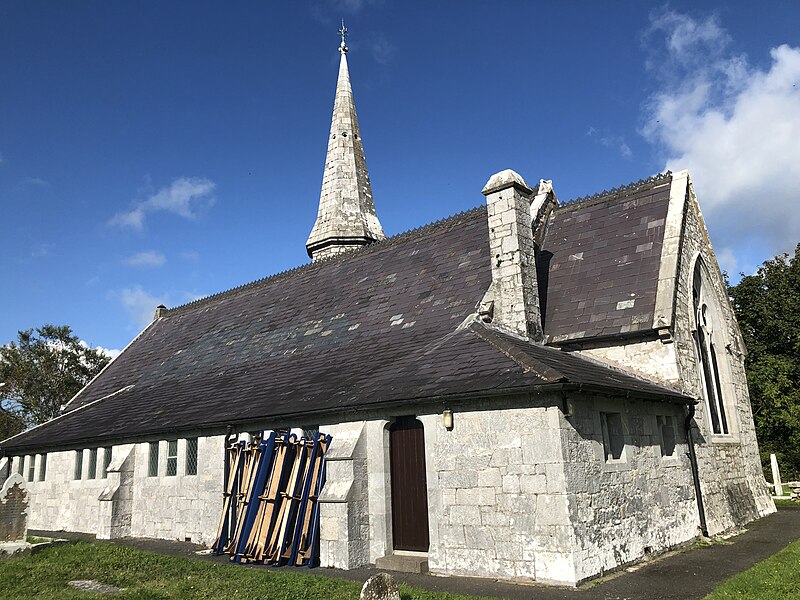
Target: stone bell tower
(346, 217)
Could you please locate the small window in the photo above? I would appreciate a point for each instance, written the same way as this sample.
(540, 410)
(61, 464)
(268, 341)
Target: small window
(613, 436)
(191, 456)
(106, 461)
(21, 465)
(31, 467)
(92, 464)
(78, 464)
(43, 467)
(172, 458)
(152, 468)
(666, 431)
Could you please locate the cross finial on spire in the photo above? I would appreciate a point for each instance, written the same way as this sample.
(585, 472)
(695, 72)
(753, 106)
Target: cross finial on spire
(343, 32)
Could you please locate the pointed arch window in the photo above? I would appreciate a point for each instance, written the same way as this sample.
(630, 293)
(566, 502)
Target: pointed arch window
(707, 340)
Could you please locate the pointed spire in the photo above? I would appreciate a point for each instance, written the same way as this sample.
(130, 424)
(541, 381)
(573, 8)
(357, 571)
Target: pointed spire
(346, 216)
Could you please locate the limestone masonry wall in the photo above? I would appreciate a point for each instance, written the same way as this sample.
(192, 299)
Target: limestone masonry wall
(182, 506)
(734, 490)
(129, 502)
(624, 510)
(498, 501)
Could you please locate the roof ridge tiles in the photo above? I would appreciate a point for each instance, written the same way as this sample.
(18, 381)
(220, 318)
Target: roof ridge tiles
(617, 192)
(373, 247)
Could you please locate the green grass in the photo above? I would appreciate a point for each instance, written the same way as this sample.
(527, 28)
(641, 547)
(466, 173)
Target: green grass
(35, 539)
(776, 578)
(783, 502)
(44, 575)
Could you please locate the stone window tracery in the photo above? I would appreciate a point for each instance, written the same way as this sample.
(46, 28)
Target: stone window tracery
(708, 341)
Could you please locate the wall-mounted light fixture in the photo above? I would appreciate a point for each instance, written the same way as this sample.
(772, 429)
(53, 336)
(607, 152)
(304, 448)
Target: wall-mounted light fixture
(447, 419)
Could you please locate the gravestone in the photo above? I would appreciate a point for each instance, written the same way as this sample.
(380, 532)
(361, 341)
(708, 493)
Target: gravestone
(776, 475)
(13, 510)
(380, 587)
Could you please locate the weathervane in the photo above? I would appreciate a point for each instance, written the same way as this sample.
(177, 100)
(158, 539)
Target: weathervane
(343, 32)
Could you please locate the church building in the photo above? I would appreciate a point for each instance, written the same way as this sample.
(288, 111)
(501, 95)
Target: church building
(529, 390)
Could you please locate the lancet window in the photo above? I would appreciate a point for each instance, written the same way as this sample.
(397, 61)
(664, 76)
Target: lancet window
(708, 345)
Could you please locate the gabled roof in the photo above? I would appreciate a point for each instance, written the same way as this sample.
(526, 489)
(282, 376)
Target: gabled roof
(389, 323)
(599, 262)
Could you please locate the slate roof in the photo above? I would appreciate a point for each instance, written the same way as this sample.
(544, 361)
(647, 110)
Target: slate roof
(600, 259)
(389, 323)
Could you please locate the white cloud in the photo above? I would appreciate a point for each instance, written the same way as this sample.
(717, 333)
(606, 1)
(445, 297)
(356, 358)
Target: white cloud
(148, 258)
(109, 352)
(382, 49)
(611, 141)
(140, 304)
(727, 260)
(330, 11)
(33, 182)
(42, 250)
(735, 127)
(184, 197)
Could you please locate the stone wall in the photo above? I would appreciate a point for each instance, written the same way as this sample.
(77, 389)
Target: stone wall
(517, 490)
(498, 502)
(182, 507)
(60, 503)
(127, 501)
(734, 489)
(623, 511)
(344, 509)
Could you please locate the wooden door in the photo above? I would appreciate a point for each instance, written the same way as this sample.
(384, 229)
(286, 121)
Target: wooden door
(409, 485)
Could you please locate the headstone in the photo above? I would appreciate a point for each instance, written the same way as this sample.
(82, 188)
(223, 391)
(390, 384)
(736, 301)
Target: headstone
(776, 475)
(380, 587)
(90, 585)
(13, 510)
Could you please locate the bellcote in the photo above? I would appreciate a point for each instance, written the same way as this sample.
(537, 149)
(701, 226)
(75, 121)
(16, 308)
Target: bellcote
(346, 218)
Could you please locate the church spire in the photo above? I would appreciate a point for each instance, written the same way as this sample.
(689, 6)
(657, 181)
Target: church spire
(346, 217)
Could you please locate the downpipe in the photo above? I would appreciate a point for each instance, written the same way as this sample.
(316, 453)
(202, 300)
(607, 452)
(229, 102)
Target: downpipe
(695, 472)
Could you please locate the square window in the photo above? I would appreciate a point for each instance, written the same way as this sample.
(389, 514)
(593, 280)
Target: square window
(152, 467)
(613, 436)
(666, 432)
(43, 467)
(191, 456)
(78, 474)
(92, 464)
(31, 467)
(172, 458)
(106, 461)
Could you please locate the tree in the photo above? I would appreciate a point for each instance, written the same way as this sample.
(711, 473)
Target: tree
(40, 373)
(767, 307)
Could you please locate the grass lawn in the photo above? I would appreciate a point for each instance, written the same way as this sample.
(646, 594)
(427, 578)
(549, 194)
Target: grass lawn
(776, 578)
(783, 503)
(146, 575)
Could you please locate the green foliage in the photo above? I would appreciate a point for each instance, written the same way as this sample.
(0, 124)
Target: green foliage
(40, 372)
(767, 307)
(776, 578)
(44, 575)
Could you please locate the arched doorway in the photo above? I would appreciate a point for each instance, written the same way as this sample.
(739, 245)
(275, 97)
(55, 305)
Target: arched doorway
(409, 485)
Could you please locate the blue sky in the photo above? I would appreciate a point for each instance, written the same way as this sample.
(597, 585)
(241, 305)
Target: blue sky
(161, 151)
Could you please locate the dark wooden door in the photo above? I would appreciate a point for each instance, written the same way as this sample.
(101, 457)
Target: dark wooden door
(409, 485)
